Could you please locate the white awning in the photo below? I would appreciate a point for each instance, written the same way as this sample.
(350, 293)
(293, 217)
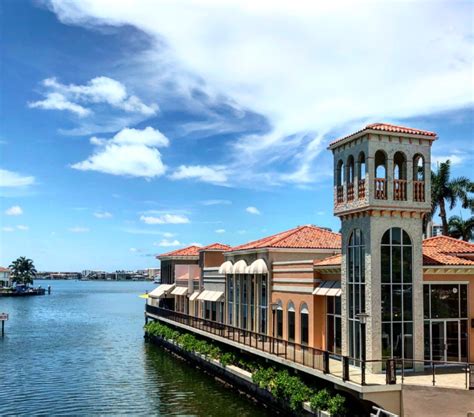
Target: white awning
(161, 291)
(240, 267)
(226, 268)
(194, 295)
(258, 267)
(180, 291)
(329, 289)
(213, 296)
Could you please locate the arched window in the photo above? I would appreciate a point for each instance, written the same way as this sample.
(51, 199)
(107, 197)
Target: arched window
(304, 323)
(418, 178)
(279, 319)
(340, 173)
(291, 321)
(361, 166)
(356, 290)
(380, 185)
(350, 178)
(399, 176)
(397, 294)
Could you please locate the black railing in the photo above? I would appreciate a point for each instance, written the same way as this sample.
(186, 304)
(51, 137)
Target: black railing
(344, 367)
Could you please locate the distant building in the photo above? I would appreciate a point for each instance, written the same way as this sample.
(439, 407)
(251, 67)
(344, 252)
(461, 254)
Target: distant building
(5, 280)
(436, 230)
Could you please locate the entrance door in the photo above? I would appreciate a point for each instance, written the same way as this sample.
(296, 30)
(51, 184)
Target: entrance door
(445, 343)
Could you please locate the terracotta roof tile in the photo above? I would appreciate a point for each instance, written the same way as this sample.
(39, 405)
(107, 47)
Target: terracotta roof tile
(2, 269)
(301, 237)
(192, 250)
(385, 127)
(215, 246)
(329, 261)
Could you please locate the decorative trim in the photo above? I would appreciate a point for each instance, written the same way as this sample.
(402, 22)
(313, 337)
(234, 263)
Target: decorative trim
(309, 261)
(293, 288)
(297, 280)
(293, 270)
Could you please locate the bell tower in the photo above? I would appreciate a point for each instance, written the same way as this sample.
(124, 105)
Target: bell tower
(381, 194)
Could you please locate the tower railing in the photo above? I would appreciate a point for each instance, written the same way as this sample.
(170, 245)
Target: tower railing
(419, 191)
(400, 190)
(350, 191)
(340, 194)
(361, 189)
(380, 190)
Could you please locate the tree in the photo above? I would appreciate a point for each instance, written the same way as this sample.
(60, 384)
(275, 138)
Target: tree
(459, 228)
(23, 271)
(445, 190)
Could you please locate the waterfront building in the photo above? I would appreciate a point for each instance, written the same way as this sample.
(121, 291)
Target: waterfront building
(5, 280)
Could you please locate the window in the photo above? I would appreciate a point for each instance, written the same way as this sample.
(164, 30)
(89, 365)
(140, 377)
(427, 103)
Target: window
(279, 320)
(252, 302)
(207, 307)
(230, 299)
(334, 325)
(244, 301)
(291, 322)
(356, 290)
(304, 322)
(397, 294)
(263, 299)
(237, 301)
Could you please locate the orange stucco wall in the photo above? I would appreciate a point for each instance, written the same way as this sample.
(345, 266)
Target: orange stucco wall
(469, 279)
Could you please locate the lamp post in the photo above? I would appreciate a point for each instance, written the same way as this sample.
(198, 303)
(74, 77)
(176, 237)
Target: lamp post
(362, 317)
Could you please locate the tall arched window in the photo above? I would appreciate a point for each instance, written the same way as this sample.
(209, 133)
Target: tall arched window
(291, 321)
(279, 319)
(380, 175)
(397, 294)
(304, 324)
(356, 290)
(340, 182)
(350, 178)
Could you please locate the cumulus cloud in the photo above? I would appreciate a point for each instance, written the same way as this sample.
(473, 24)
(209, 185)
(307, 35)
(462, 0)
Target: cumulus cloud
(252, 210)
(220, 231)
(311, 71)
(14, 211)
(103, 214)
(216, 202)
(131, 152)
(13, 179)
(79, 229)
(98, 90)
(211, 174)
(8, 229)
(22, 227)
(165, 219)
(456, 159)
(167, 243)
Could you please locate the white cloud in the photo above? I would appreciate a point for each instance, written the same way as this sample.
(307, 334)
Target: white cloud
(211, 174)
(103, 214)
(98, 90)
(14, 211)
(8, 229)
(168, 234)
(165, 219)
(215, 202)
(133, 250)
(131, 152)
(22, 227)
(307, 68)
(220, 231)
(252, 210)
(167, 243)
(13, 179)
(79, 229)
(195, 244)
(455, 159)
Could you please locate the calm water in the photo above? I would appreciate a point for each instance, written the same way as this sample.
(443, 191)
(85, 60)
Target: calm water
(80, 351)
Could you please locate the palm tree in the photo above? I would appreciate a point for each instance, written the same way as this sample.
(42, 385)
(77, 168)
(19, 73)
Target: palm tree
(459, 228)
(23, 271)
(446, 190)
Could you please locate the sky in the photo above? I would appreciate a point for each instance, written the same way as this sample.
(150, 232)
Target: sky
(131, 128)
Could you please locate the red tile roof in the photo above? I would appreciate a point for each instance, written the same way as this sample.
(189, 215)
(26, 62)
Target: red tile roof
(385, 127)
(439, 250)
(301, 237)
(190, 251)
(444, 250)
(2, 269)
(215, 246)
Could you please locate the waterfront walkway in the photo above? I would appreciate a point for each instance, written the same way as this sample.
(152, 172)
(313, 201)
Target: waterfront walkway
(355, 374)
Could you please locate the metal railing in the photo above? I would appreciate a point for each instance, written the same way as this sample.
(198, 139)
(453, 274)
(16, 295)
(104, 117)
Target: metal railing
(362, 372)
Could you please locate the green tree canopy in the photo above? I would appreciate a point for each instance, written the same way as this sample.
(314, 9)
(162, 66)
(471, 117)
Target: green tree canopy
(459, 228)
(23, 271)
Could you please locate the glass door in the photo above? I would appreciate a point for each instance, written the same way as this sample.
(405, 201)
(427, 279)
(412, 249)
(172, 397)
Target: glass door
(438, 341)
(452, 340)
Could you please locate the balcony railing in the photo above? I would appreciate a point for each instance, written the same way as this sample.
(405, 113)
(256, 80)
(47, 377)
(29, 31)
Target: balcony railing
(343, 367)
(400, 190)
(419, 191)
(340, 194)
(380, 190)
(350, 191)
(361, 189)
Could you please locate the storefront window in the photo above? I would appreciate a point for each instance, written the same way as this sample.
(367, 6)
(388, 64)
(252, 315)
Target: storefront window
(304, 322)
(291, 322)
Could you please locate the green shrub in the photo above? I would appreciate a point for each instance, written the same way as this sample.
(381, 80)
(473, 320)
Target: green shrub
(336, 405)
(320, 400)
(264, 377)
(227, 359)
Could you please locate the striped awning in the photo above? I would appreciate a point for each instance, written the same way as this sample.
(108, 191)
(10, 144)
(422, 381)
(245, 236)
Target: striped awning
(213, 296)
(180, 291)
(194, 295)
(329, 289)
(161, 291)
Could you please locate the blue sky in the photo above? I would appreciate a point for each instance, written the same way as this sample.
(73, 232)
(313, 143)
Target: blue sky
(132, 129)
